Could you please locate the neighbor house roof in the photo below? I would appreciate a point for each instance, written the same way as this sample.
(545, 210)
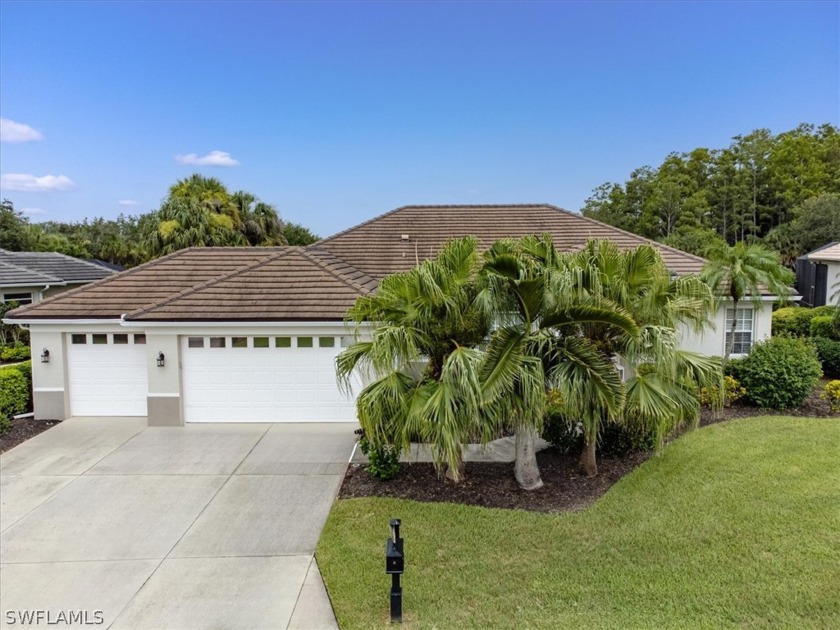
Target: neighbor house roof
(321, 281)
(830, 252)
(59, 268)
(15, 276)
(397, 240)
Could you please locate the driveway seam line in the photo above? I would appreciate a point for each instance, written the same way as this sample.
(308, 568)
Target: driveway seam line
(300, 590)
(188, 528)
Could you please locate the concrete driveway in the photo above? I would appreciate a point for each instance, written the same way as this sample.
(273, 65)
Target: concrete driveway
(203, 526)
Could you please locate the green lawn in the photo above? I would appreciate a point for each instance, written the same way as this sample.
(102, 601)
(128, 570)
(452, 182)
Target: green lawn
(736, 525)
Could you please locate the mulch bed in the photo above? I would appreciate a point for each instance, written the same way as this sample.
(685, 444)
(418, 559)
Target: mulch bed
(565, 490)
(23, 429)
(493, 485)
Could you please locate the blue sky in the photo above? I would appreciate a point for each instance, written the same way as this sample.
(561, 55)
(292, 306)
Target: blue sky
(336, 112)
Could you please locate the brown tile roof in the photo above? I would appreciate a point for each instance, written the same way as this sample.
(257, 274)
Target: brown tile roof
(321, 281)
(295, 284)
(144, 285)
(377, 247)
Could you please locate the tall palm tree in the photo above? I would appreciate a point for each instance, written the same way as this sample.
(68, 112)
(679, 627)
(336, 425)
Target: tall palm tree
(259, 221)
(661, 376)
(530, 291)
(416, 341)
(739, 272)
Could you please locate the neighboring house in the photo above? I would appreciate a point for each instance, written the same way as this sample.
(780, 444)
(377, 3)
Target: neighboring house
(29, 277)
(818, 276)
(251, 334)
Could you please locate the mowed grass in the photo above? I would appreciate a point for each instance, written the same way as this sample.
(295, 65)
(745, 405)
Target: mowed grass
(735, 525)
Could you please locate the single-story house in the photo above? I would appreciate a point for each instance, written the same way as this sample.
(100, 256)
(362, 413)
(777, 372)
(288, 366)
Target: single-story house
(251, 334)
(818, 276)
(29, 277)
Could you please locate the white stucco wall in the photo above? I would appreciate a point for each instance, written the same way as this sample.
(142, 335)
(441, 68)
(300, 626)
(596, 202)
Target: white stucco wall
(712, 340)
(832, 288)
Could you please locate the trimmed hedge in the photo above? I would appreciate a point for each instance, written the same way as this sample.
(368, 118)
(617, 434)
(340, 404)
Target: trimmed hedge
(825, 326)
(14, 396)
(779, 373)
(14, 353)
(613, 441)
(796, 320)
(828, 352)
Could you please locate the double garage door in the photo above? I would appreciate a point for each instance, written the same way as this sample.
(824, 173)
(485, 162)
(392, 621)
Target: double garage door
(263, 379)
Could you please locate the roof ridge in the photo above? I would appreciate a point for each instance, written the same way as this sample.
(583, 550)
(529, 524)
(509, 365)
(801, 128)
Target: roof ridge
(65, 294)
(198, 287)
(358, 225)
(338, 275)
(628, 233)
(52, 279)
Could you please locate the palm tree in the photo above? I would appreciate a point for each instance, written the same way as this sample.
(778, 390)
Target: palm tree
(259, 221)
(530, 291)
(740, 271)
(661, 376)
(416, 341)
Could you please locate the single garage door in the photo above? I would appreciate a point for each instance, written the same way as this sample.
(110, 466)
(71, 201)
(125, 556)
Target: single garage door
(263, 379)
(107, 374)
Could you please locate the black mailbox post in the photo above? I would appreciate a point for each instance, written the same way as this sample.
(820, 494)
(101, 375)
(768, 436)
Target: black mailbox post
(395, 567)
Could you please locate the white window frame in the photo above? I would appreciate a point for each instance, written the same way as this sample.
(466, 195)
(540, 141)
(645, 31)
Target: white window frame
(744, 330)
(13, 296)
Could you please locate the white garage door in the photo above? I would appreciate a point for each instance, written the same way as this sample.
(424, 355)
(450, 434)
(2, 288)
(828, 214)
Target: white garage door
(107, 374)
(263, 379)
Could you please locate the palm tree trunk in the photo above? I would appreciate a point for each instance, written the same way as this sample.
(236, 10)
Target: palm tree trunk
(457, 474)
(730, 345)
(588, 464)
(525, 467)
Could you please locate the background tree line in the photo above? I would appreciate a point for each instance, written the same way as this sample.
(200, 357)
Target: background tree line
(781, 189)
(198, 211)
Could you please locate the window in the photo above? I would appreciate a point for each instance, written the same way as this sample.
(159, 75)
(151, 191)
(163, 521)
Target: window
(78, 339)
(140, 339)
(304, 342)
(282, 342)
(261, 342)
(120, 340)
(239, 342)
(217, 342)
(99, 339)
(743, 329)
(20, 298)
(195, 342)
(326, 342)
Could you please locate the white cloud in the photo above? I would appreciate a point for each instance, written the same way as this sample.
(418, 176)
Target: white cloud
(128, 202)
(11, 131)
(26, 182)
(33, 211)
(214, 158)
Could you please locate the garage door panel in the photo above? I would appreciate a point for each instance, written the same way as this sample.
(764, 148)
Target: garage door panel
(107, 379)
(274, 384)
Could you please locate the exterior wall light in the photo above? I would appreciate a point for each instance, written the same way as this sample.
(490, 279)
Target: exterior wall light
(45, 356)
(161, 359)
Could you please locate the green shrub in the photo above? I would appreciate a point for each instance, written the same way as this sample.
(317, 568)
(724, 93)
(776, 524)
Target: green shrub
(828, 352)
(796, 320)
(831, 393)
(780, 373)
(383, 459)
(619, 440)
(614, 440)
(14, 396)
(732, 368)
(825, 326)
(732, 391)
(14, 353)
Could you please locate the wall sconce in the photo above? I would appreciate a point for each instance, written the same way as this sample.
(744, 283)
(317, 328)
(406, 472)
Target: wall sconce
(45, 356)
(161, 359)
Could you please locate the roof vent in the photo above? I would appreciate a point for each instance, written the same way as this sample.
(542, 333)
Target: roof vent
(404, 237)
